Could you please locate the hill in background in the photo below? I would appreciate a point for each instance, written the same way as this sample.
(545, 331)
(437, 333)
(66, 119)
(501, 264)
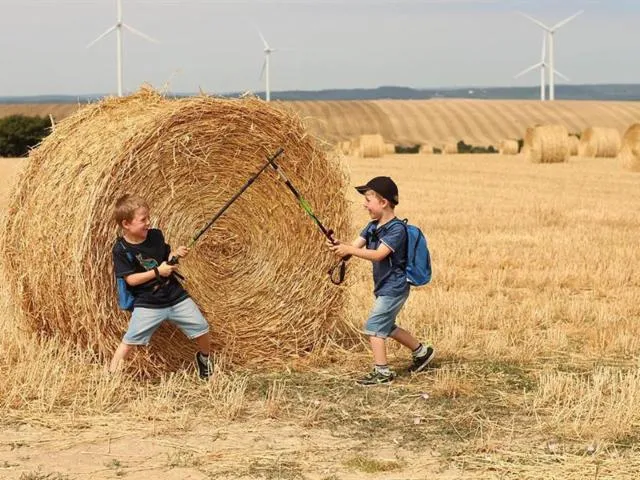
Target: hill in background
(619, 92)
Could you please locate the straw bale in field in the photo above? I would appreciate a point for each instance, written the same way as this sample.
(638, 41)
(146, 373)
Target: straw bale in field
(549, 144)
(630, 151)
(599, 142)
(389, 148)
(509, 146)
(426, 148)
(372, 146)
(259, 275)
(450, 148)
(574, 145)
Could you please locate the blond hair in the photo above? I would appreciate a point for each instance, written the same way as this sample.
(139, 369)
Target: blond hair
(381, 198)
(126, 206)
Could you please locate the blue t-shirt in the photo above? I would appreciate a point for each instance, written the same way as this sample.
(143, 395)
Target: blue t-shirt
(389, 275)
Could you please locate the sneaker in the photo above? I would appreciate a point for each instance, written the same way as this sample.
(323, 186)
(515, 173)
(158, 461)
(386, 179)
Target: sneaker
(376, 378)
(205, 367)
(419, 363)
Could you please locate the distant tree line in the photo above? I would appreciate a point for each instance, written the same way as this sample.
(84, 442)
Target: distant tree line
(20, 133)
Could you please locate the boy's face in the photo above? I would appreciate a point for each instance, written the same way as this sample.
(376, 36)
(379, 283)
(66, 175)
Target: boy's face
(139, 225)
(374, 205)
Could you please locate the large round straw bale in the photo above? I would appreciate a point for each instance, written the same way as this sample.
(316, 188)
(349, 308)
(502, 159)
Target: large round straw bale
(259, 275)
(372, 146)
(630, 151)
(574, 145)
(549, 144)
(509, 146)
(599, 142)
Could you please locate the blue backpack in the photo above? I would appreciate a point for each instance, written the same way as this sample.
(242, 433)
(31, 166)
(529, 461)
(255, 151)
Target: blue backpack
(418, 265)
(125, 297)
(418, 262)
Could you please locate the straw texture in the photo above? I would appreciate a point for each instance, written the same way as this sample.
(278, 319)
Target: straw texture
(599, 142)
(630, 151)
(548, 144)
(259, 275)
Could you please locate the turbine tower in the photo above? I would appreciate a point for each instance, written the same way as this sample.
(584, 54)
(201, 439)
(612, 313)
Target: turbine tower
(550, 34)
(265, 67)
(542, 65)
(118, 29)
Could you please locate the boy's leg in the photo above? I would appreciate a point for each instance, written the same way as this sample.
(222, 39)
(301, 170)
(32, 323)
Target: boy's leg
(379, 325)
(403, 337)
(204, 344)
(379, 349)
(121, 354)
(187, 317)
(143, 322)
(422, 354)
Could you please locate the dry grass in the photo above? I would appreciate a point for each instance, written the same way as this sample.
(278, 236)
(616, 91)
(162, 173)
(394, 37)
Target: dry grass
(535, 323)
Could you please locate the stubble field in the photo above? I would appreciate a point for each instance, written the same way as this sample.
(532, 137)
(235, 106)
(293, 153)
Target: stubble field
(533, 311)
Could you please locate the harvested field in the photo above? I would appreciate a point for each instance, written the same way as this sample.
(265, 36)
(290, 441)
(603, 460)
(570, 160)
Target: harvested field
(533, 311)
(477, 122)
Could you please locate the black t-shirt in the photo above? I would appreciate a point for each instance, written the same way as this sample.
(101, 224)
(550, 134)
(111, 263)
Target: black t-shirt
(148, 254)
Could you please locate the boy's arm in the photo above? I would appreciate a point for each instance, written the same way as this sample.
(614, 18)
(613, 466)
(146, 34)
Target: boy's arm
(356, 250)
(377, 255)
(135, 279)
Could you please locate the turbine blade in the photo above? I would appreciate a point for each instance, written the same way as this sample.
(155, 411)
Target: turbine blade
(529, 69)
(566, 20)
(140, 34)
(537, 22)
(109, 30)
(264, 66)
(544, 47)
(266, 45)
(558, 74)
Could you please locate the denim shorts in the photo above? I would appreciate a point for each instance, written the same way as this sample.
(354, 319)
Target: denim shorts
(145, 321)
(382, 319)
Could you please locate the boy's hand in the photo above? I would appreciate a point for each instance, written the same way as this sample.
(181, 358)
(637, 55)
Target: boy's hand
(341, 250)
(181, 252)
(165, 269)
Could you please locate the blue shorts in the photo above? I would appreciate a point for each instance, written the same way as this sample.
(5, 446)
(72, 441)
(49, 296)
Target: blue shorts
(382, 319)
(145, 321)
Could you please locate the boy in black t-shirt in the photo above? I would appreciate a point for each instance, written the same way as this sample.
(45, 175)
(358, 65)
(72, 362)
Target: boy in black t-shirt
(140, 257)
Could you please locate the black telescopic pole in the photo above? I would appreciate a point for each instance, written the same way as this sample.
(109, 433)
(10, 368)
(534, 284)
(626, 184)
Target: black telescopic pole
(341, 266)
(280, 151)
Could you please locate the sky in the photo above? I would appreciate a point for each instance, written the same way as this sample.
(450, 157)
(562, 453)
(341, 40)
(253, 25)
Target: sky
(214, 45)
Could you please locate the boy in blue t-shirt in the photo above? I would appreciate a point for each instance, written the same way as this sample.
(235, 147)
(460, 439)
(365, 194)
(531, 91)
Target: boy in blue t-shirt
(385, 239)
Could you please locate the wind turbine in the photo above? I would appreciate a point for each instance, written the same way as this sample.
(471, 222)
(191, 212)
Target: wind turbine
(550, 33)
(265, 66)
(118, 29)
(542, 65)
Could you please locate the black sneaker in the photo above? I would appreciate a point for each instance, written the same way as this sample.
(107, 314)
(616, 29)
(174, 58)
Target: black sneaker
(376, 378)
(205, 367)
(419, 363)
